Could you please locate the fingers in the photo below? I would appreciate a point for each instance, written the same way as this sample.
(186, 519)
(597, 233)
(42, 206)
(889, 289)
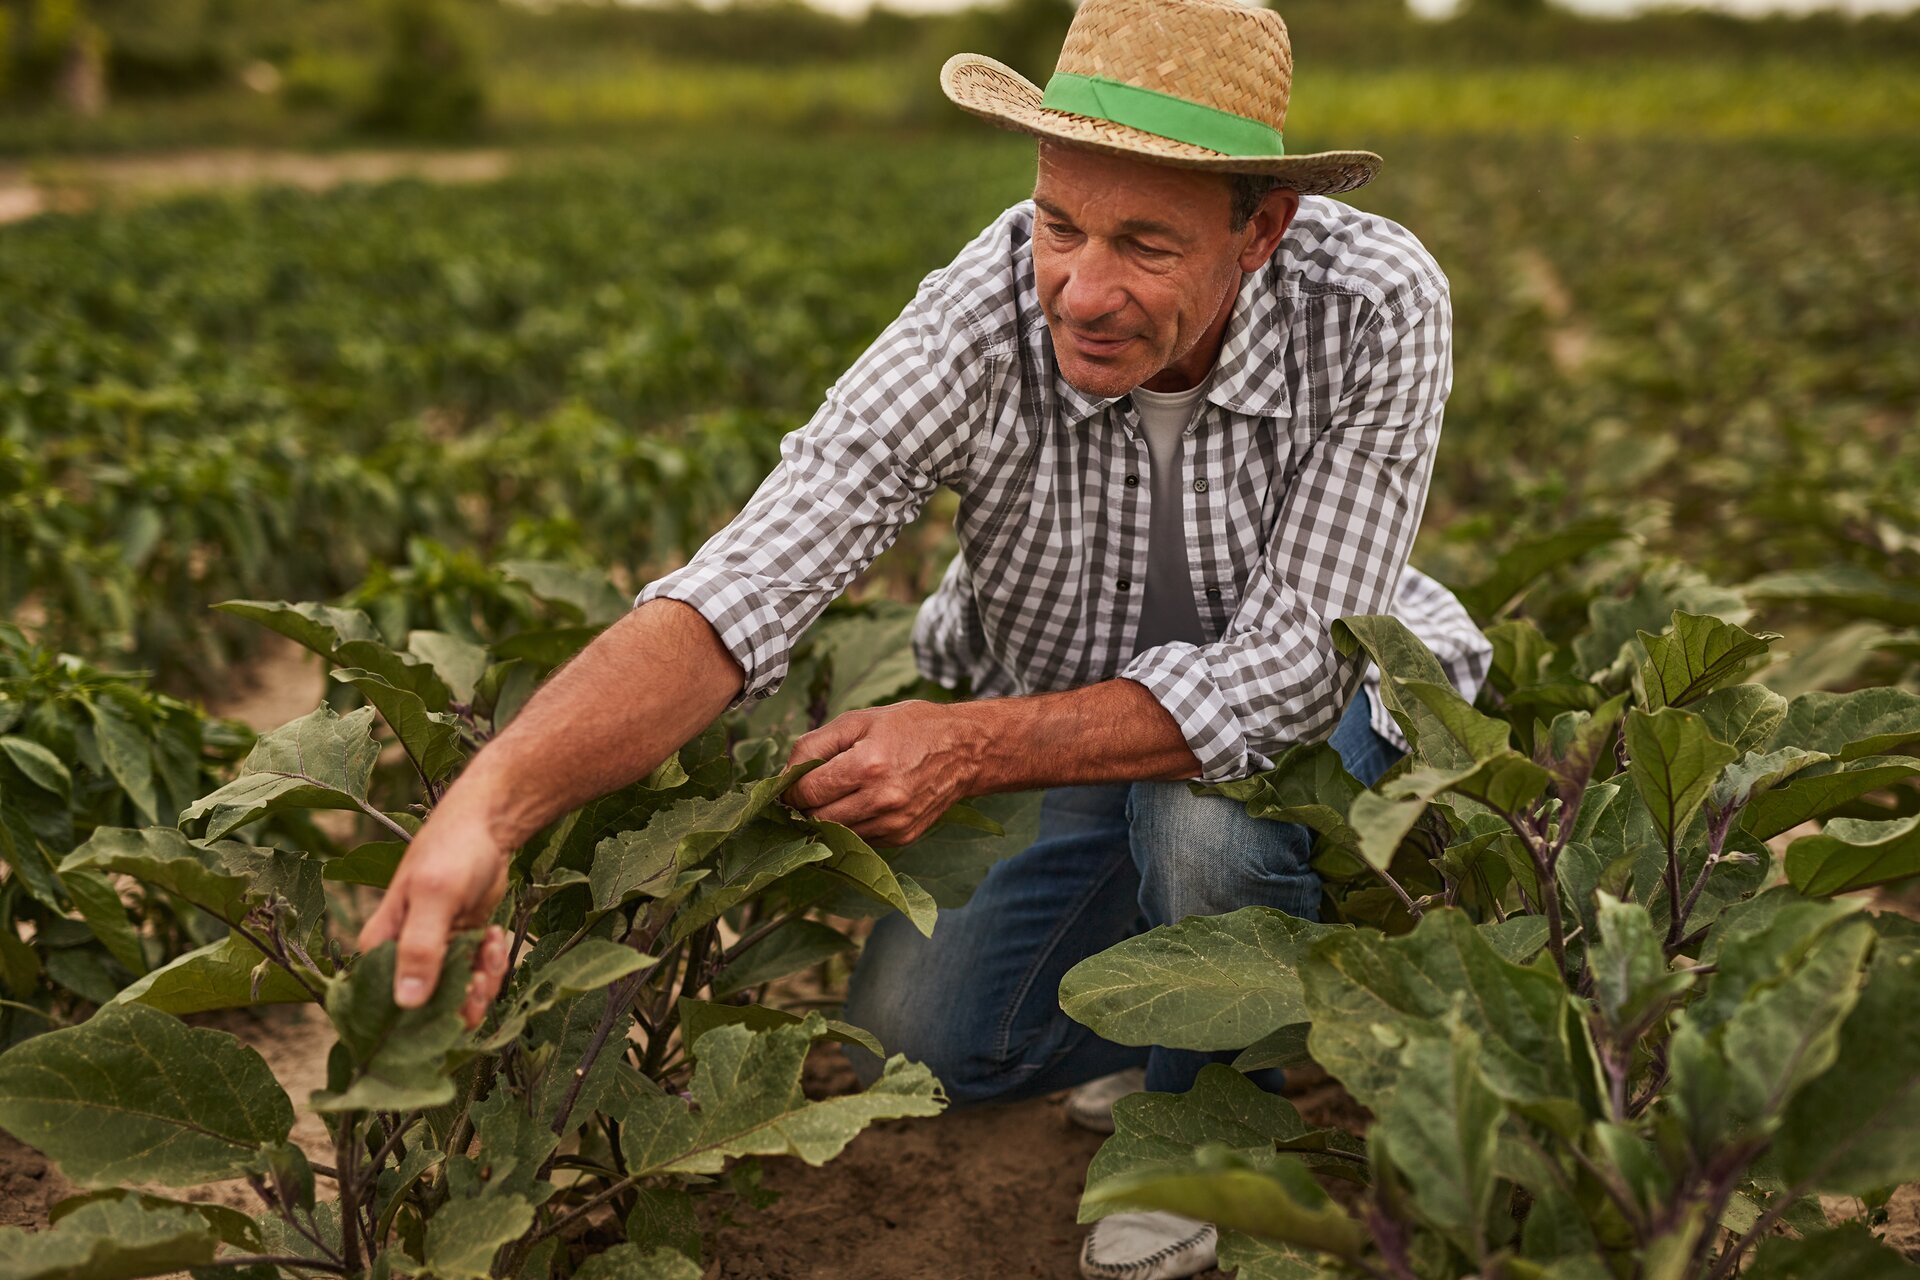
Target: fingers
(423, 946)
(489, 971)
(830, 739)
(840, 777)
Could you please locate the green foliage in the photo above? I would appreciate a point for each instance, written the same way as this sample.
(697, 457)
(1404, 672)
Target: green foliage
(83, 751)
(695, 882)
(429, 83)
(1589, 1044)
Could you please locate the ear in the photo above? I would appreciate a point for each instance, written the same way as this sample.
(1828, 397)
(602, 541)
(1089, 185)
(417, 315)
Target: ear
(1268, 224)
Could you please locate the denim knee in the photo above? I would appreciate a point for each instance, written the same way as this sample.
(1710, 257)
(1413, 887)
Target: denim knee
(1206, 855)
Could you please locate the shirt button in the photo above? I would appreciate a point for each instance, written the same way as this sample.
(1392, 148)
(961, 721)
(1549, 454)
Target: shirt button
(1132, 481)
(1124, 584)
(1213, 593)
(1199, 486)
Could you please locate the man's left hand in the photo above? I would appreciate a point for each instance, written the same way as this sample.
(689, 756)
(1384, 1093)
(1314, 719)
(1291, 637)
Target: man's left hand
(890, 771)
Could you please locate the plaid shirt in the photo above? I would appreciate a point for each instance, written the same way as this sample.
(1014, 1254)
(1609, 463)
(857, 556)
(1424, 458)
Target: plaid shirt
(1304, 475)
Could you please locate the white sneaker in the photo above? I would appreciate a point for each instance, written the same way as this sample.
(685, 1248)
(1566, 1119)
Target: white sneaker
(1091, 1105)
(1148, 1246)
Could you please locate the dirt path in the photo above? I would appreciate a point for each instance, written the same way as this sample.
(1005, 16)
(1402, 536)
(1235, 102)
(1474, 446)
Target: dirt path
(72, 184)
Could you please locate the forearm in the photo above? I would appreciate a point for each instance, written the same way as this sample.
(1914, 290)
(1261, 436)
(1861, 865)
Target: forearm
(626, 702)
(1114, 731)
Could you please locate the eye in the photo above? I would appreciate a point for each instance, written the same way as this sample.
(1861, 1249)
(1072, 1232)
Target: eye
(1060, 228)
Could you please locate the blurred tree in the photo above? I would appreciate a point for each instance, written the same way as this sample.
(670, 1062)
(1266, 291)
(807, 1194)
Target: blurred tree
(428, 83)
(1505, 8)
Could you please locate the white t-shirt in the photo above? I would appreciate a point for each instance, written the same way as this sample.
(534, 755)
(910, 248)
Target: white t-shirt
(1166, 607)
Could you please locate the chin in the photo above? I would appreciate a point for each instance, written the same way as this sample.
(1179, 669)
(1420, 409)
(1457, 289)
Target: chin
(1101, 381)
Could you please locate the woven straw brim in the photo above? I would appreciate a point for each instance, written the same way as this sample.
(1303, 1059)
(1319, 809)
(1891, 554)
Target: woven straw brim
(996, 92)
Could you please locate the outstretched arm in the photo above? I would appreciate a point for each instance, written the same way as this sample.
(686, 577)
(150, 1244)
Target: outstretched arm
(639, 692)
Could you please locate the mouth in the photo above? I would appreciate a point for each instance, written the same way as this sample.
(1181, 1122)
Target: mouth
(1091, 346)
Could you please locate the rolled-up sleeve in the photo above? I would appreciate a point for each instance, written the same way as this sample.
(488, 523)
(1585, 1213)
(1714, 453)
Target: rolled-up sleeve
(1340, 545)
(894, 427)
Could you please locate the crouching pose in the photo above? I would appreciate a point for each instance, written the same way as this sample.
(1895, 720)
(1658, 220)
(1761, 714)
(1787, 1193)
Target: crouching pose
(1189, 404)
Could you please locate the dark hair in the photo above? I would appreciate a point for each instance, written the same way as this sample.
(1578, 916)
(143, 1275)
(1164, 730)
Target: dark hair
(1249, 189)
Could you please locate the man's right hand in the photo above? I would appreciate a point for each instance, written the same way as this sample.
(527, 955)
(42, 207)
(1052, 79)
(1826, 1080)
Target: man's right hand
(452, 877)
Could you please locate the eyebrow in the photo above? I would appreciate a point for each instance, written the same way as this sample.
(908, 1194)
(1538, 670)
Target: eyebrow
(1132, 226)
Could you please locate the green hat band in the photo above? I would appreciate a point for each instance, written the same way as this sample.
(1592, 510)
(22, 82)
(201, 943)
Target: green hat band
(1161, 114)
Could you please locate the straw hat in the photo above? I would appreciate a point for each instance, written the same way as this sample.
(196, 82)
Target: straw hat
(1199, 84)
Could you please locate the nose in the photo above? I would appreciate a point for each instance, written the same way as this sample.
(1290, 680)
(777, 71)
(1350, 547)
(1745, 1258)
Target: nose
(1094, 290)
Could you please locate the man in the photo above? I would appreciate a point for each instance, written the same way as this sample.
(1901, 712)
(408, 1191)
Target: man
(1190, 408)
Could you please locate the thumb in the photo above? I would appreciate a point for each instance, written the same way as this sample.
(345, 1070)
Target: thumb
(384, 924)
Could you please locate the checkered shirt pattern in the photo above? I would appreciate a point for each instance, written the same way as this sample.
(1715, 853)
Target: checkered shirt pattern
(1305, 473)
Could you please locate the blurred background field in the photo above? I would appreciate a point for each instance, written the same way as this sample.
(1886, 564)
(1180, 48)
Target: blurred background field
(311, 297)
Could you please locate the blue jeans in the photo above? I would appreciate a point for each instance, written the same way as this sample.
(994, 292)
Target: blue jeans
(979, 1001)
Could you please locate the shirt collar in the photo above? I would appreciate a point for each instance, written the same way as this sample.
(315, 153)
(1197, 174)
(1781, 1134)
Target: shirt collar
(1248, 372)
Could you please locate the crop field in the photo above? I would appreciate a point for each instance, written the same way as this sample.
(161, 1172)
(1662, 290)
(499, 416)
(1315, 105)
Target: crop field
(435, 436)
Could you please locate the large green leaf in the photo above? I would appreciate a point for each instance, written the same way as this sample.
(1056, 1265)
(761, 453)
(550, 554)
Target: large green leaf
(1368, 994)
(1610, 647)
(1757, 772)
(1854, 854)
(320, 761)
(459, 663)
(39, 765)
(586, 595)
(463, 1235)
(128, 753)
(592, 964)
(1279, 1200)
(856, 865)
(1846, 726)
(1674, 762)
(1400, 657)
(228, 974)
(1744, 716)
(1208, 982)
(796, 945)
(134, 1095)
(99, 905)
(746, 1100)
(1856, 1128)
(747, 864)
(1439, 1131)
(645, 862)
(108, 1240)
(222, 877)
(1771, 1017)
(951, 860)
(871, 660)
(398, 1055)
(697, 1017)
(1820, 789)
(1162, 1129)
(1844, 587)
(431, 739)
(1699, 654)
(346, 638)
(1627, 963)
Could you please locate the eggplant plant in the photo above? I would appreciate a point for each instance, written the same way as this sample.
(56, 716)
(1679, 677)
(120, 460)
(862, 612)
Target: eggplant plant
(80, 749)
(639, 1052)
(1599, 1033)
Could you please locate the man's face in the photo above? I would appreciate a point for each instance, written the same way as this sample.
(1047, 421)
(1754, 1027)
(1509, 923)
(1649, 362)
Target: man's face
(1137, 266)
